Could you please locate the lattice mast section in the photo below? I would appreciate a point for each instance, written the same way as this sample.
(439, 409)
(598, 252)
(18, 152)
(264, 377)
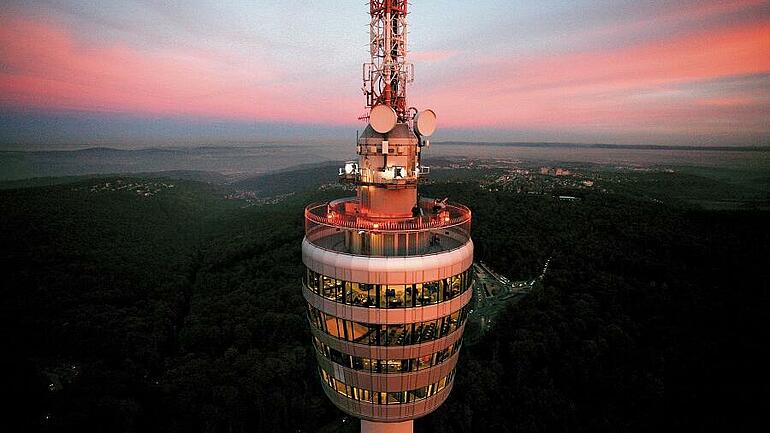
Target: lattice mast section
(388, 73)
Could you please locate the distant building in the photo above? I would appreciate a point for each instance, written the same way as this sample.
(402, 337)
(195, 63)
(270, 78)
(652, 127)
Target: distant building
(547, 171)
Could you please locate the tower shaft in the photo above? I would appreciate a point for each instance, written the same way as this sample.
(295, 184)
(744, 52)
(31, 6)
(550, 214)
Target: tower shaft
(388, 275)
(388, 162)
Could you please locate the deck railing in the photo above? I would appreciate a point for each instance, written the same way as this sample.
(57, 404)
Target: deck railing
(337, 226)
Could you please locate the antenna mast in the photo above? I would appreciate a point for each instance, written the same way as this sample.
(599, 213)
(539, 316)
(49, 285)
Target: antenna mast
(388, 73)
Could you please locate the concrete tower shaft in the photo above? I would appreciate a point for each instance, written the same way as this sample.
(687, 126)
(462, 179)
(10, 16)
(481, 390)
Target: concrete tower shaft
(389, 170)
(388, 159)
(388, 275)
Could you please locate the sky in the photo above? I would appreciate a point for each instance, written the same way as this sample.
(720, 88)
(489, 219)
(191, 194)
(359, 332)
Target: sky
(142, 72)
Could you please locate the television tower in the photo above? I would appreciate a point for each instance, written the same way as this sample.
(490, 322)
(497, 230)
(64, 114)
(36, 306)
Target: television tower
(388, 274)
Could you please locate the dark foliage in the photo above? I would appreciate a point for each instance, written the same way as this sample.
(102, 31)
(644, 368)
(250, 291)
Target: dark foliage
(181, 312)
(650, 318)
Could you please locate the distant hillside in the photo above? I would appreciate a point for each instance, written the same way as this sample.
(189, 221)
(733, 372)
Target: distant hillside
(613, 146)
(297, 179)
(233, 161)
(196, 176)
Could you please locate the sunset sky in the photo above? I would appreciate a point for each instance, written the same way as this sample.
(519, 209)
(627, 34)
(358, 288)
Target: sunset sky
(652, 72)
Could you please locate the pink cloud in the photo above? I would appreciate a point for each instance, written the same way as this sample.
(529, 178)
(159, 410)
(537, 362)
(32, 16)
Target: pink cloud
(648, 86)
(46, 67)
(631, 87)
(673, 15)
(431, 56)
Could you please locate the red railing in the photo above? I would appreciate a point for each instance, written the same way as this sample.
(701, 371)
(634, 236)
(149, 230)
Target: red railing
(334, 215)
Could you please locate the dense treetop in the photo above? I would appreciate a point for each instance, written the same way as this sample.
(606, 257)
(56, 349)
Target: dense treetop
(181, 311)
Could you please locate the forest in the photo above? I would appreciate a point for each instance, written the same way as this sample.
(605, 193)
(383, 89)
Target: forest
(182, 312)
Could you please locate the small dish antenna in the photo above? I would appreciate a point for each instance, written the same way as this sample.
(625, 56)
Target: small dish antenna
(383, 119)
(425, 123)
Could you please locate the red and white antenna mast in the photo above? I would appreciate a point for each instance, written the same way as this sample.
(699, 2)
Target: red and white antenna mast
(388, 73)
(389, 149)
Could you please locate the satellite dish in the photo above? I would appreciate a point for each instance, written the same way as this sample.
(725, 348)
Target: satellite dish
(425, 123)
(383, 119)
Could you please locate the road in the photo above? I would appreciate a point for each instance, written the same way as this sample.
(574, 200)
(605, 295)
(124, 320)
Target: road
(493, 292)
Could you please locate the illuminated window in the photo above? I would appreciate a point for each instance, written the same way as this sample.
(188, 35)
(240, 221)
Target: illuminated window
(363, 295)
(386, 366)
(385, 398)
(341, 387)
(386, 335)
(424, 362)
(387, 296)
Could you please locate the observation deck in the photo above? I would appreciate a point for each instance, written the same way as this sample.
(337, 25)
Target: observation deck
(339, 226)
(389, 179)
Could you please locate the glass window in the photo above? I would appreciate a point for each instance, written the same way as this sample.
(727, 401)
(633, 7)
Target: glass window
(409, 292)
(406, 365)
(442, 355)
(395, 296)
(396, 335)
(328, 288)
(313, 281)
(392, 366)
(355, 331)
(424, 362)
(420, 393)
(367, 365)
(363, 295)
(428, 331)
(373, 335)
(392, 296)
(457, 284)
(386, 335)
(366, 395)
(397, 397)
(331, 327)
(384, 398)
(340, 387)
(432, 290)
(347, 288)
(441, 384)
(383, 366)
(382, 296)
(424, 291)
(410, 396)
(336, 356)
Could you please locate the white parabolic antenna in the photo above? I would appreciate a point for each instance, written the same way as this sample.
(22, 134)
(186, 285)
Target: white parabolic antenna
(425, 123)
(383, 119)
